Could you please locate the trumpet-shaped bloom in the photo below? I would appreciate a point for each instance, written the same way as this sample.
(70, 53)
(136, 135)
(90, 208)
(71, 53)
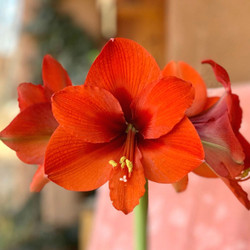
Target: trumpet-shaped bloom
(126, 124)
(218, 121)
(29, 132)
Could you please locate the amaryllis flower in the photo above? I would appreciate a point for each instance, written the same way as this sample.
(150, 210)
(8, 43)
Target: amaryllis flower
(227, 152)
(29, 132)
(124, 125)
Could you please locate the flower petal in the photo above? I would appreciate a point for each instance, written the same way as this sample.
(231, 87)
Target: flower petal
(28, 134)
(230, 104)
(234, 111)
(126, 195)
(158, 109)
(39, 180)
(187, 73)
(55, 77)
(205, 171)
(89, 112)
(220, 73)
(29, 94)
(241, 195)
(181, 185)
(246, 148)
(223, 152)
(171, 157)
(233, 106)
(124, 68)
(77, 165)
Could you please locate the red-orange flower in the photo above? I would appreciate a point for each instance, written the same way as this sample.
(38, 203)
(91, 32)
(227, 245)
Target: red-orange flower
(123, 125)
(29, 132)
(217, 122)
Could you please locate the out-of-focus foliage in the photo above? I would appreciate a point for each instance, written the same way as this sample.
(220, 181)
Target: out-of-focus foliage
(57, 35)
(23, 230)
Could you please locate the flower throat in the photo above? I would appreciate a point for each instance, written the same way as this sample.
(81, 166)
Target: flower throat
(127, 158)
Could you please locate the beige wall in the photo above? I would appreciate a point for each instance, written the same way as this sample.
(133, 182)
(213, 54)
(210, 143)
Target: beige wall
(143, 22)
(219, 30)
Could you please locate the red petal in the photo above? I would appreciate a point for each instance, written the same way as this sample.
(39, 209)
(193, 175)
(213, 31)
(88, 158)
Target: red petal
(187, 73)
(205, 171)
(29, 94)
(39, 180)
(234, 111)
(241, 195)
(28, 134)
(55, 77)
(76, 165)
(233, 106)
(156, 111)
(89, 112)
(181, 185)
(223, 151)
(246, 148)
(124, 68)
(126, 195)
(171, 157)
(221, 74)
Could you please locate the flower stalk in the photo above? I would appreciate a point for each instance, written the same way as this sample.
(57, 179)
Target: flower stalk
(141, 218)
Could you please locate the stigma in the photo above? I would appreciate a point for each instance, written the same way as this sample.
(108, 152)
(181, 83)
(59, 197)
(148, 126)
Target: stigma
(124, 178)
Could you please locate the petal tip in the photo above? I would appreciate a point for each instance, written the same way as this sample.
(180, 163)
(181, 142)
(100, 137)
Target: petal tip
(220, 74)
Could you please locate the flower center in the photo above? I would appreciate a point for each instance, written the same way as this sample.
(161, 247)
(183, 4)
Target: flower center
(127, 159)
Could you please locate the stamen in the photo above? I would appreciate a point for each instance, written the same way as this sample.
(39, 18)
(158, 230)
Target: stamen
(128, 153)
(113, 163)
(123, 158)
(129, 165)
(122, 161)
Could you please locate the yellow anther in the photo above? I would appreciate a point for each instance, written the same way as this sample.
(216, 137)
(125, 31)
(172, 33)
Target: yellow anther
(123, 158)
(123, 165)
(129, 165)
(122, 161)
(113, 163)
(126, 162)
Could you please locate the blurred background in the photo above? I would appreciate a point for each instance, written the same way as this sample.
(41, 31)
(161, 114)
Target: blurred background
(73, 32)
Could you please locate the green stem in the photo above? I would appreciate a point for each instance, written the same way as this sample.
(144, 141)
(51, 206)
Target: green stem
(141, 216)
